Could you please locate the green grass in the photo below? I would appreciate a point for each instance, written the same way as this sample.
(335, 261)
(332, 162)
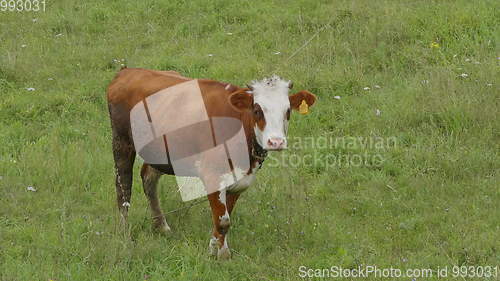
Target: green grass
(433, 202)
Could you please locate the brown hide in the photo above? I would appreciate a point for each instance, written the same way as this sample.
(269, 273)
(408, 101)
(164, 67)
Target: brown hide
(133, 85)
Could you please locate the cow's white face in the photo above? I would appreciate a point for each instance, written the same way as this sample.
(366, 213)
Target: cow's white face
(270, 105)
(271, 109)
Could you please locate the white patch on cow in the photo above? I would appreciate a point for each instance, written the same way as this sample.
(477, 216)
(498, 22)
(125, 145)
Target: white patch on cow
(259, 136)
(224, 252)
(243, 180)
(272, 96)
(222, 196)
(226, 180)
(224, 220)
(239, 173)
(224, 246)
(242, 184)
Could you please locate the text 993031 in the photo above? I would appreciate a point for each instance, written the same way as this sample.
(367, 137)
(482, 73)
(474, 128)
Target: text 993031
(22, 5)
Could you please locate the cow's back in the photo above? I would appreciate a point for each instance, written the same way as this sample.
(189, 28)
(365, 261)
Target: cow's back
(133, 85)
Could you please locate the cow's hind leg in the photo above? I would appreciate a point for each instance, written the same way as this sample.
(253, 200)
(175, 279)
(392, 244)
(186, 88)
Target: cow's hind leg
(150, 177)
(124, 154)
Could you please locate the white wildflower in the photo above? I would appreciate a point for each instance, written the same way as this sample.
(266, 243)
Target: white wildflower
(277, 53)
(366, 88)
(377, 87)
(30, 89)
(23, 46)
(31, 188)
(210, 55)
(377, 112)
(229, 33)
(464, 75)
(336, 97)
(59, 34)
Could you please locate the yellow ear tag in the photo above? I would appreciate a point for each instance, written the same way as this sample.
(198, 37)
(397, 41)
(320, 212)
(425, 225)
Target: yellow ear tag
(303, 107)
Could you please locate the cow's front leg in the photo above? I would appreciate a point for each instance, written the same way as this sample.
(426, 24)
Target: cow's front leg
(150, 177)
(221, 222)
(222, 204)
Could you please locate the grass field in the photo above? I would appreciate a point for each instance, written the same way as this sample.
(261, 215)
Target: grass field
(432, 200)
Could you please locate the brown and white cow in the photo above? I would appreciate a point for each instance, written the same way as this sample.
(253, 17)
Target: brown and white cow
(263, 109)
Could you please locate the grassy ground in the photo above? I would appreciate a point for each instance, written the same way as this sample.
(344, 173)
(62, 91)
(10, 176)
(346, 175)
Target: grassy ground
(431, 202)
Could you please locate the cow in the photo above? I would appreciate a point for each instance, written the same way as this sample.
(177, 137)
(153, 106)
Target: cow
(263, 108)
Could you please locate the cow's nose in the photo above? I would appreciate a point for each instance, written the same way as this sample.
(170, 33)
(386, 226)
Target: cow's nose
(276, 143)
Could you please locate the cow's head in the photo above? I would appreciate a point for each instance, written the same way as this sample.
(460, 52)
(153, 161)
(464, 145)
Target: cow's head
(270, 105)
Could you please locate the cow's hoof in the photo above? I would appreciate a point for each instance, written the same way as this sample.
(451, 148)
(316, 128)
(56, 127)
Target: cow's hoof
(124, 218)
(223, 253)
(163, 230)
(161, 226)
(213, 247)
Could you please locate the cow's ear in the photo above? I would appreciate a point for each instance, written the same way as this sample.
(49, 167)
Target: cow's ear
(297, 99)
(241, 100)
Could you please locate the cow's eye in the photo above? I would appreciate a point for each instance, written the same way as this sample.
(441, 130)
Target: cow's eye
(288, 114)
(257, 112)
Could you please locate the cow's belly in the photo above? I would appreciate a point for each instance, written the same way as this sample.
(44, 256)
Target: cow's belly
(226, 180)
(242, 184)
(169, 170)
(245, 180)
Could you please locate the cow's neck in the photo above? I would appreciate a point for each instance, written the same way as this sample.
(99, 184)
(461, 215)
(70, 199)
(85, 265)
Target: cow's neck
(258, 154)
